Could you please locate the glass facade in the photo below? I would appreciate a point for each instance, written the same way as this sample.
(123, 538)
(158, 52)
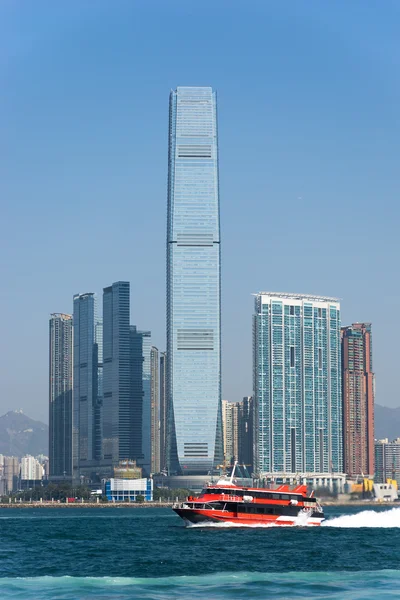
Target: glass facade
(137, 393)
(297, 384)
(117, 404)
(163, 411)
(98, 410)
(60, 396)
(155, 410)
(86, 393)
(141, 397)
(194, 440)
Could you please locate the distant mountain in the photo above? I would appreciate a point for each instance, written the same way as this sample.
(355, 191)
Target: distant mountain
(387, 422)
(20, 435)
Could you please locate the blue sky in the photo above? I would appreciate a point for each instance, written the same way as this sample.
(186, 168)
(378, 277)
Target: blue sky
(309, 137)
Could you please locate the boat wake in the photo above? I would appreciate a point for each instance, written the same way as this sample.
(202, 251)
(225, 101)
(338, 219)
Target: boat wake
(367, 518)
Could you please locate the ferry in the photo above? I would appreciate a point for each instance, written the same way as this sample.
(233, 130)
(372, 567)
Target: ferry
(227, 502)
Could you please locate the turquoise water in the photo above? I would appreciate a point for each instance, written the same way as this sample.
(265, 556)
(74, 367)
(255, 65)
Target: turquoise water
(127, 553)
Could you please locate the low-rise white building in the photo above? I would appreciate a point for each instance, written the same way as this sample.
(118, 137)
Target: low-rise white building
(120, 490)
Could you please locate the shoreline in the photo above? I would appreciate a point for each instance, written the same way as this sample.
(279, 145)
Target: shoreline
(367, 505)
(88, 505)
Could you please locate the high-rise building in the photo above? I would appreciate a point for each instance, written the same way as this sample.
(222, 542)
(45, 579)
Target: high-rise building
(11, 474)
(297, 385)
(358, 399)
(136, 345)
(245, 427)
(117, 397)
(146, 417)
(31, 469)
(98, 413)
(86, 395)
(60, 397)
(193, 284)
(155, 410)
(141, 385)
(230, 422)
(387, 460)
(163, 411)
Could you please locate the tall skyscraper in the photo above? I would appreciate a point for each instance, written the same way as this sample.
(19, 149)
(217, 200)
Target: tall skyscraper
(297, 385)
(98, 413)
(60, 396)
(155, 410)
(163, 411)
(358, 399)
(193, 284)
(141, 385)
(86, 395)
(246, 432)
(137, 392)
(117, 400)
(230, 422)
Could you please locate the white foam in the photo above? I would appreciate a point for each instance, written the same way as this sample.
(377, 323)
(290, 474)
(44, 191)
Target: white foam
(367, 518)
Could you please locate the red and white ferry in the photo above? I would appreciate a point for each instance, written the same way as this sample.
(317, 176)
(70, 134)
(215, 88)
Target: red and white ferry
(226, 502)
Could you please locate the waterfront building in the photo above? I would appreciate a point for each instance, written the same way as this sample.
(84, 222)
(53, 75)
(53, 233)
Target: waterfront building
(297, 388)
(118, 438)
(155, 410)
(123, 490)
(386, 492)
(60, 396)
(358, 399)
(387, 460)
(245, 432)
(195, 444)
(86, 395)
(163, 411)
(230, 418)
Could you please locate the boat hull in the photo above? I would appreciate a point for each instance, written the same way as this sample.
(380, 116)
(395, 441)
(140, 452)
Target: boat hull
(198, 516)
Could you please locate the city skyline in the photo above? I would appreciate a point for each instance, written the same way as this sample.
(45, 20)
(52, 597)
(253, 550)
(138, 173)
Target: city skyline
(295, 137)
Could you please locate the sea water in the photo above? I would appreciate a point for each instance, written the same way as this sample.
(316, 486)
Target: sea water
(148, 553)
